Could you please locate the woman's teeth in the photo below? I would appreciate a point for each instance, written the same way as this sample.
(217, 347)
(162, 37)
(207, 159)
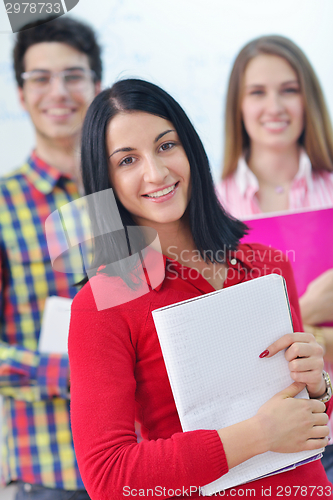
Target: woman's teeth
(275, 125)
(162, 192)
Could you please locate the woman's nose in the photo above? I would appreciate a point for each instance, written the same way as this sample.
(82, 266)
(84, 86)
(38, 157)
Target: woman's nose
(155, 171)
(274, 103)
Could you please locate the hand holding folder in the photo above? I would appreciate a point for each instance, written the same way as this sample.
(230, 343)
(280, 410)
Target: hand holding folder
(211, 346)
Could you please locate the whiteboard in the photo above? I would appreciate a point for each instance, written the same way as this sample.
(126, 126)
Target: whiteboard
(185, 46)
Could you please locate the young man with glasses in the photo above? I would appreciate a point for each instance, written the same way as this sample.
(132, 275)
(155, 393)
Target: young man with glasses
(58, 70)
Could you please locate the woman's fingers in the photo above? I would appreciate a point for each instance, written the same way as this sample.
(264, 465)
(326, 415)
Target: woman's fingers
(318, 407)
(291, 391)
(286, 341)
(321, 420)
(292, 424)
(304, 350)
(315, 444)
(306, 364)
(305, 358)
(319, 428)
(312, 379)
(319, 432)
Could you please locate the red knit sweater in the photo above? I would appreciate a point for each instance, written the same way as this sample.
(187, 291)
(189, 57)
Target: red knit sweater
(118, 376)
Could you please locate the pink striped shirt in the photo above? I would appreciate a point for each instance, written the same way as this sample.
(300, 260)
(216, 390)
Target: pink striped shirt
(309, 189)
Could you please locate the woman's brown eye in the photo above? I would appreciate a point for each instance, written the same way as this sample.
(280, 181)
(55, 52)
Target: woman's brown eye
(167, 145)
(127, 161)
(291, 90)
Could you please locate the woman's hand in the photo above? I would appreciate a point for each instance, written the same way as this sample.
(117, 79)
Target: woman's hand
(305, 358)
(290, 425)
(283, 424)
(317, 302)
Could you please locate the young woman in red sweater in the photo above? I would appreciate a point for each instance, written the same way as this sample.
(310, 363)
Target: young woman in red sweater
(138, 141)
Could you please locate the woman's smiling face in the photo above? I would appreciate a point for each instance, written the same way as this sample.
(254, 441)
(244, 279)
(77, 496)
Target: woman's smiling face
(149, 170)
(272, 104)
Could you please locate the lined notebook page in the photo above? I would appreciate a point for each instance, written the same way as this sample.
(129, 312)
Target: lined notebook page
(211, 346)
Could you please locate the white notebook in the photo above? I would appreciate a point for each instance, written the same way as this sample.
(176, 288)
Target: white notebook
(211, 346)
(55, 325)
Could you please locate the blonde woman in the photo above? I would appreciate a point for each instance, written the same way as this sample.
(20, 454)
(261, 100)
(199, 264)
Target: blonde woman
(279, 151)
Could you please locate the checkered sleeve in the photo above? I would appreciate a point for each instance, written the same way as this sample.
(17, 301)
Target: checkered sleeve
(53, 375)
(30, 376)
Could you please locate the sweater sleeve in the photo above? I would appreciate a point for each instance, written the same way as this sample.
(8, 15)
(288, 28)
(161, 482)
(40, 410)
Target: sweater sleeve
(112, 463)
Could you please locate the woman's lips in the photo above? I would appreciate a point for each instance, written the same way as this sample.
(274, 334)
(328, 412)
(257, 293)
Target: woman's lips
(276, 126)
(162, 197)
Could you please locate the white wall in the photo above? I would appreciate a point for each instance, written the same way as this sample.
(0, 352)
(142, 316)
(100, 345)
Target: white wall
(186, 46)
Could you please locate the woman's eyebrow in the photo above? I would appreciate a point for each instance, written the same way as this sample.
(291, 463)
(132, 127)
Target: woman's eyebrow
(255, 85)
(162, 134)
(259, 85)
(121, 150)
(126, 150)
(289, 82)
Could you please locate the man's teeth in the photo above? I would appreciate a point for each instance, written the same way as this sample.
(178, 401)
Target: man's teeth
(162, 192)
(275, 125)
(58, 111)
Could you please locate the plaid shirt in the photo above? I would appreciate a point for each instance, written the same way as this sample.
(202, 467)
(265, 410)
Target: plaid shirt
(37, 441)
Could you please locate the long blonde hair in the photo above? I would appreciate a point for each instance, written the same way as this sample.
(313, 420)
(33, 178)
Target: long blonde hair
(317, 137)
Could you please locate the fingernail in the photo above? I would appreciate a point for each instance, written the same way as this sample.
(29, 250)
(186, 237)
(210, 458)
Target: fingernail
(264, 354)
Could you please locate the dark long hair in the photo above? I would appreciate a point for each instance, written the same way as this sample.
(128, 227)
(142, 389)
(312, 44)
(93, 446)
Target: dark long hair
(212, 228)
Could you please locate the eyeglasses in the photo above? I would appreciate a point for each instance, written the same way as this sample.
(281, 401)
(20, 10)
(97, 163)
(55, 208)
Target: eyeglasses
(74, 80)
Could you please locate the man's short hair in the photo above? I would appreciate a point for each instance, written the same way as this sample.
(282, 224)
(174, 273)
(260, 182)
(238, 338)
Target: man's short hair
(62, 29)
